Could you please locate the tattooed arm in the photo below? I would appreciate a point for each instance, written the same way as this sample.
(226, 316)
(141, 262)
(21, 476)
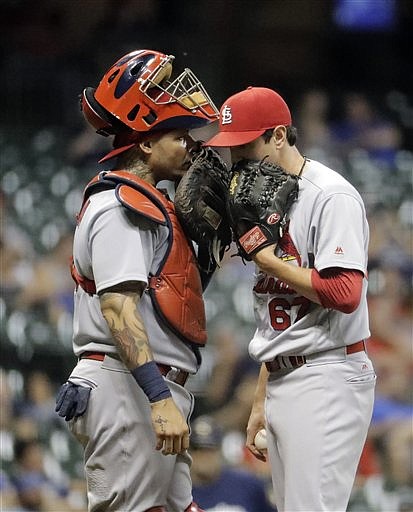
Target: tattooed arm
(119, 308)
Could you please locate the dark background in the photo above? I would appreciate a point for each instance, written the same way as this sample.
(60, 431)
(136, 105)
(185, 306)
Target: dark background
(52, 49)
(316, 53)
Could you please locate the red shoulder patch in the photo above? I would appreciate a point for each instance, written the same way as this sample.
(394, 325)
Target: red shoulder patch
(140, 203)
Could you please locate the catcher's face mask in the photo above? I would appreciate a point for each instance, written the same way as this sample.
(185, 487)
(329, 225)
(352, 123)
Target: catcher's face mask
(137, 92)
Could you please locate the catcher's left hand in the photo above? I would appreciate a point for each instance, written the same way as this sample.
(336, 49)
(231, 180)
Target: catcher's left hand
(200, 202)
(260, 196)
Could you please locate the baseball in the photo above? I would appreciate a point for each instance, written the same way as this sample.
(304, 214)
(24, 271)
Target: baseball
(260, 439)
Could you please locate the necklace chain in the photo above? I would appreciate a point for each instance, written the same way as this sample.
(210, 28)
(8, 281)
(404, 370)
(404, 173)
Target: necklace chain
(302, 167)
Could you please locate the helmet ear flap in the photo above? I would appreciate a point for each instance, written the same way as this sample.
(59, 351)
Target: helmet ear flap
(102, 120)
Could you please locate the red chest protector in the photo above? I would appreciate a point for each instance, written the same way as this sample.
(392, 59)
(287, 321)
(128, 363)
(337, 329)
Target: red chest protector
(175, 289)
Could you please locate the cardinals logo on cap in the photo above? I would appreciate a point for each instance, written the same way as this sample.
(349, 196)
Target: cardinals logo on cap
(226, 115)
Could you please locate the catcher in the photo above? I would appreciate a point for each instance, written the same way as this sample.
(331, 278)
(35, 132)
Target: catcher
(139, 319)
(305, 228)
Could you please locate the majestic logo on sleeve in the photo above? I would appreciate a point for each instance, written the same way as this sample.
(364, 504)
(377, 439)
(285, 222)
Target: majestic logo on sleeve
(339, 250)
(226, 115)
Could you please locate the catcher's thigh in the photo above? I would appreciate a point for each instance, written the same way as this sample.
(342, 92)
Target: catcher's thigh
(123, 469)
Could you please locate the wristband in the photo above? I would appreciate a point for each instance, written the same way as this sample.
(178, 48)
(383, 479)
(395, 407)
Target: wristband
(151, 381)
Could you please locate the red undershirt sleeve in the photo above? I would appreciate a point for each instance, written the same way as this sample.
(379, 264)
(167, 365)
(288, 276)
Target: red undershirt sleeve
(338, 288)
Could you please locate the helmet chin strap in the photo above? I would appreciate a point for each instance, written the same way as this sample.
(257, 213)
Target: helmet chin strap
(122, 142)
(116, 152)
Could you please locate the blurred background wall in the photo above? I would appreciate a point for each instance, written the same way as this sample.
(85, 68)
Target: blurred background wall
(344, 66)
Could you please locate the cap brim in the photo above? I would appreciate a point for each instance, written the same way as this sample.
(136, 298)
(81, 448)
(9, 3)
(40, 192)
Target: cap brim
(116, 152)
(228, 139)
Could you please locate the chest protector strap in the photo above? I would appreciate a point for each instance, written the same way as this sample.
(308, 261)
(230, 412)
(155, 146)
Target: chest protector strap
(175, 288)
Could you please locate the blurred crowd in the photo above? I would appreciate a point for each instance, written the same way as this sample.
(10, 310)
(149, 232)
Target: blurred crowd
(41, 188)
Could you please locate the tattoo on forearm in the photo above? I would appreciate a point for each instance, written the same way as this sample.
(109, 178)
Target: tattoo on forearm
(127, 328)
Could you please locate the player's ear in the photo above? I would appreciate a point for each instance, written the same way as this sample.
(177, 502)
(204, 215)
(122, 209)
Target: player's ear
(279, 135)
(146, 147)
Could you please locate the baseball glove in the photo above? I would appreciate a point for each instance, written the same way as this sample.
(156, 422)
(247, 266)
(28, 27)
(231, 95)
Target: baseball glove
(200, 203)
(260, 196)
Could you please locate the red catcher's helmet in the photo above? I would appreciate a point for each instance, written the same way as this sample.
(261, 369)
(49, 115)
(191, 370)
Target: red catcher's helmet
(136, 93)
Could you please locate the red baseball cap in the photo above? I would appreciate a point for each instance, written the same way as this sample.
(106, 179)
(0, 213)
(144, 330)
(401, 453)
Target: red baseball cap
(247, 115)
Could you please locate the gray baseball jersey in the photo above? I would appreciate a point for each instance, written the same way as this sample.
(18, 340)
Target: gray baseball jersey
(317, 415)
(123, 470)
(318, 237)
(108, 251)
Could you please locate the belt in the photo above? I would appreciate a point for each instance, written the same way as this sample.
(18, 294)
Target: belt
(296, 361)
(173, 374)
(96, 356)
